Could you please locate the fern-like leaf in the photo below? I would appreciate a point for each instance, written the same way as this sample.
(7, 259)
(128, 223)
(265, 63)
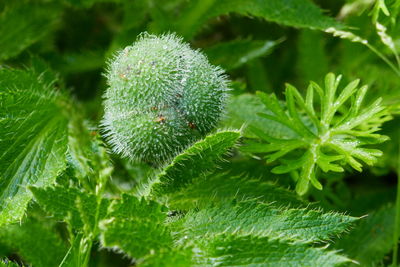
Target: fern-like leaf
(328, 137)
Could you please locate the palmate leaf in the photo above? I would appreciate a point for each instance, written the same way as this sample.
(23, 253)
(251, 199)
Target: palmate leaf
(226, 250)
(193, 162)
(337, 133)
(265, 220)
(33, 138)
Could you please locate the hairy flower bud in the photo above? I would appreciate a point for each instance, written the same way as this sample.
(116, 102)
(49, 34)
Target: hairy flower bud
(162, 96)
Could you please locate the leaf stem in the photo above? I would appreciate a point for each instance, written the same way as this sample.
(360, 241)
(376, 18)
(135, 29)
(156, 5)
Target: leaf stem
(384, 58)
(397, 219)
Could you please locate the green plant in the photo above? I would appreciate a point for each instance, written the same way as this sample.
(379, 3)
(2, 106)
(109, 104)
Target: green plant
(146, 160)
(331, 135)
(162, 96)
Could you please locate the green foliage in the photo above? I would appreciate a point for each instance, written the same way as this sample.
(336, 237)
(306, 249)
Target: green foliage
(366, 250)
(33, 130)
(244, 109)
(70, 204)
(261, 251)
(331, 137)
(37, 242)
(223, 188)
(193, 162)
(240, 52)
(162, 96)
(23, 23)
(136, 226)
(265, 220)
(296, 13)
(199, 196)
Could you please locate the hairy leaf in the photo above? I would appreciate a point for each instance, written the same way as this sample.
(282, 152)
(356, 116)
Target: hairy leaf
(33, 138)
(296, 13)
(226, 250)
(222, 188)
(136, 227)
(71, 204)
(193, 162)
(263, 220)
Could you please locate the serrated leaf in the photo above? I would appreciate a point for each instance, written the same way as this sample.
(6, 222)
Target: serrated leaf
(226, 250)
(265, 220)
(35, 241)
(296, 13)
(33, 138)
(136, 227)
(71, 205)
(222, 188)
(194, 161)
(23, 23)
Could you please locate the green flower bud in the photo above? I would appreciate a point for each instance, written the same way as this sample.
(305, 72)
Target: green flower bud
(162, 96)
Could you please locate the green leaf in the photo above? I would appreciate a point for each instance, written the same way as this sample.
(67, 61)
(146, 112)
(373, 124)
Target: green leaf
(136, 227)
(296, 13)
(71, 205)
(23, 23)
(33, 138)
(35, 241)
(337, 134)
(265, 220)
(242, 111)
(223, 188)
(193, 162)
(72, 257)
(226, 250)
(234, 54)
(372, 238)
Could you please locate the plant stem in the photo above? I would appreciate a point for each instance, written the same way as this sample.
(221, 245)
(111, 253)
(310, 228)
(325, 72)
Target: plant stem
(384, 58)
(397, 219)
